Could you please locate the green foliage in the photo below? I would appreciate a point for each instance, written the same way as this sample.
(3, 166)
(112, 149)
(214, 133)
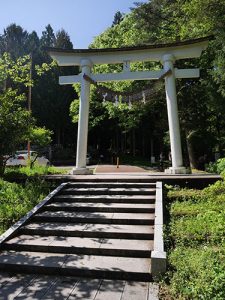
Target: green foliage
(128, 117)
(12, 173)
(16, 122)
(200, 273)
(126, 33)
(16, 200)
(197, 238)
(50, 102)
(45, 67)
(217, 167)
(183, 195)
(40, 136)
(201, 224)
(17, 70)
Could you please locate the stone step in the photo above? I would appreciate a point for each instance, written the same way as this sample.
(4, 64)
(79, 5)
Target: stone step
(95, 217)
(106, 198)
(111, 185)
(108, 191)
(100, 207)
(80, 245)
(108, 267)
(119, 231)
(108, 178)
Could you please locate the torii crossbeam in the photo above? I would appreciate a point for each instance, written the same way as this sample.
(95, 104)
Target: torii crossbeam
(167, 54)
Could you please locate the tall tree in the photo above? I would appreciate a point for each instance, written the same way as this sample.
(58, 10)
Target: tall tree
(14, 41)
(52, 101)
(48, 37)
(118, 17)
(62, 40)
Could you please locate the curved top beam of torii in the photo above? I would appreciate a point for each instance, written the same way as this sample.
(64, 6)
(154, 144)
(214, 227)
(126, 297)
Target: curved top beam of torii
(180, 50)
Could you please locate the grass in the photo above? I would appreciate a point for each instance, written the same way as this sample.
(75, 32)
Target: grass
(196, 243)
(15, 172)
(16, 200)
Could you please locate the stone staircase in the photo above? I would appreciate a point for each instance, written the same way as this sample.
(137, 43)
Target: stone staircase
(100, 229)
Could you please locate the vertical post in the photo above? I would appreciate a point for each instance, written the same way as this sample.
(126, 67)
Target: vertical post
(173, 119)
(82, 135)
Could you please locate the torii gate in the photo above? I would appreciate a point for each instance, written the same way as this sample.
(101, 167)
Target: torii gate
(167, 54)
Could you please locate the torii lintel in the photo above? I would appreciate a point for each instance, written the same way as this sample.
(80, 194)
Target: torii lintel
(179, 50)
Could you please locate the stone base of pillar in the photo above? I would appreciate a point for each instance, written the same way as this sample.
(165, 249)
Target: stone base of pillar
(178, 170)
(81, 171)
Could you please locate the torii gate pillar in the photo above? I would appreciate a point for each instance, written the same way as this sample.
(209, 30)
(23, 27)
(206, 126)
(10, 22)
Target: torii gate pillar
(173, 119)
(82, 133)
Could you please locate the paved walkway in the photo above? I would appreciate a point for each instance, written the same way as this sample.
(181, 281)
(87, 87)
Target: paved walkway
(34, 287)
(120, 169)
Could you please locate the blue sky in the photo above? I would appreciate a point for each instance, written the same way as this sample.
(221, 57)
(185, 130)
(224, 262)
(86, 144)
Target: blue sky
(82, 19)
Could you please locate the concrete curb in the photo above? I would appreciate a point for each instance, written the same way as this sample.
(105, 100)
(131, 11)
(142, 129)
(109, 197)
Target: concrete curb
(158, 256)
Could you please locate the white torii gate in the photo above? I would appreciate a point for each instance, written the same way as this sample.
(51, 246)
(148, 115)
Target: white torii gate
(167, 54)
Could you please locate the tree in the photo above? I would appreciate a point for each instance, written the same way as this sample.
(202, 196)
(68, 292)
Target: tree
(14, 41)
(16, 122)
(50, 100)
(48, 37)
(62, 40)
(118, 17)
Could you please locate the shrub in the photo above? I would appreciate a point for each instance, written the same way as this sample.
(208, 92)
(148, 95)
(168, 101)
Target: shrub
(217, 167)
(183, 195)
(196, 240)
(199, 273)
(17, 200)
(25, 172)
(204, 228)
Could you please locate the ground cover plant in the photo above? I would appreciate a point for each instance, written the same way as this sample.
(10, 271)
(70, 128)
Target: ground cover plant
(217, 167)
(16, 200)
(196, 243)
(26, 172)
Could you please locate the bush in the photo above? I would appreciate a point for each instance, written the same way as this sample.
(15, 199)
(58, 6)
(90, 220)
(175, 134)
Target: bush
(26, 172)
(196, 240)
(199, 273)
(17, 200)
(217, 167)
